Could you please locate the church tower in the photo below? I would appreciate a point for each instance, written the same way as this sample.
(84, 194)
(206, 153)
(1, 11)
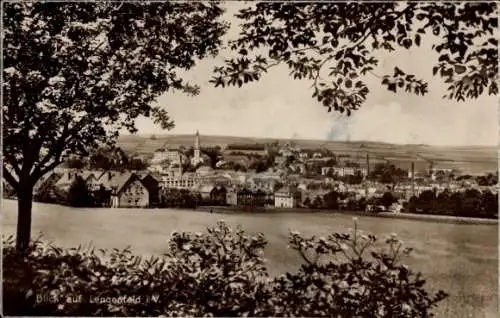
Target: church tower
(197, 157)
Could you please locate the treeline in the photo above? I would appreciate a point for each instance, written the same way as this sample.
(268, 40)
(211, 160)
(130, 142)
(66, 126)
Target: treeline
(469, 203)
(334, 200)
(255, 147)
(356, 178)
(106, 159)
(186, 199)
(78, 195)
(178, 198)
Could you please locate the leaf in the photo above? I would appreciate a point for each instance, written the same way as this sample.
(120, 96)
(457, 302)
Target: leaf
(398, 71)
(407, 43)
(417, 39)
(436, 31)
(459, 69)
(435, 70)
(392, 87)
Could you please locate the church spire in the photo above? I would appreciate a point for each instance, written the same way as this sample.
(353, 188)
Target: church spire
(197, 140)
(197, 154)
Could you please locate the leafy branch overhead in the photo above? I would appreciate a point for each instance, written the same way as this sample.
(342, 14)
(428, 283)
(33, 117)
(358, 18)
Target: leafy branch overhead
(336, 45)
(76, 74)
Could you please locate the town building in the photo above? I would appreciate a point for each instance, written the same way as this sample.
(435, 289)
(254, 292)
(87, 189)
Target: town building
(170, 156)
(246, 197)
(151, 182)
(287, 197)
(232, 197)
(280, 160)
(228, 160)
(204, 170)
(216, 179)
(69, 176)
(303, 156)
(187, 180)
(127, 189)
(197, 159)
(344, 171)
(299, 168)
(91, 178)
(50, 177)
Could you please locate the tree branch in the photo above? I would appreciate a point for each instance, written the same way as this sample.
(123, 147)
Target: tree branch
(10, 179)
(53, 153)
(13, 162)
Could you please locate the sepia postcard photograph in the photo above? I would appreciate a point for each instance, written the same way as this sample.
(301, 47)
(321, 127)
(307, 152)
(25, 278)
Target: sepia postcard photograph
(249, 159)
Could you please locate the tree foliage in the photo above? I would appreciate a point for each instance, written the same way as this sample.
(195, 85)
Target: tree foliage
(220, 273)
(469, 203)
(336, 45)
(387, 199)
(76, 74)
(79, 194)
(214, 154)
(178, 198)
(388, 174)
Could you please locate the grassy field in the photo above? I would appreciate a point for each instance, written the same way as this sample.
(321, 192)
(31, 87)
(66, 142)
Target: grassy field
(470, 159)
(458, 258)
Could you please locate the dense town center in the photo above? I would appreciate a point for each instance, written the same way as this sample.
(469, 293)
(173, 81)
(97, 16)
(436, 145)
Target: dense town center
(262, 176)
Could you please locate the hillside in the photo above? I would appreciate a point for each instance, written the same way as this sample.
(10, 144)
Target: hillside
(468, 159)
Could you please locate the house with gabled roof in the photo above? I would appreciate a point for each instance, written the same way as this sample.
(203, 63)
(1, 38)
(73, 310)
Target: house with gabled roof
(69, 176)
(151, 182)
(287, 197)
(127, 189)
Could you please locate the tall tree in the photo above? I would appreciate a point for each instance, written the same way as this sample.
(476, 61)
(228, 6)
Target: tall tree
(79, 194)
(335, 45)
(214, 154)
(388, 174)
(75, 74)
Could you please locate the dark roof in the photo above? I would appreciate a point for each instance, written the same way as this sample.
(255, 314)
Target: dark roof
(115, 180)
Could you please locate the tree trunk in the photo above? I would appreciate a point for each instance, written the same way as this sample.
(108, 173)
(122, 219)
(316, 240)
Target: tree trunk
(24, 206)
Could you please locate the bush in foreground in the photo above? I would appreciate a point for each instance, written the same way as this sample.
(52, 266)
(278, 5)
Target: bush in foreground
(220, 272)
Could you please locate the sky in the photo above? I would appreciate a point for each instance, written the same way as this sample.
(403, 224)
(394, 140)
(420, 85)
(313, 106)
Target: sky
(279, 107)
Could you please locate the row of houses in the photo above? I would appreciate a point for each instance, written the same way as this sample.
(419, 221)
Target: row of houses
(219, 195)
(125, 188)
(141, 189)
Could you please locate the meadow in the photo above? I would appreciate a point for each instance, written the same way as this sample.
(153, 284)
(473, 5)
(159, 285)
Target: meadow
(461, 259)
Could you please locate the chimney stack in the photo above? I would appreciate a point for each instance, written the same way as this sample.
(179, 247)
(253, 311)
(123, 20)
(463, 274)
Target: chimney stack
(367, 174)
(412, 178)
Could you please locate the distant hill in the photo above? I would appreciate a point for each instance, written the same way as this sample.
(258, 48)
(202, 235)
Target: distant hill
(468, 159)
